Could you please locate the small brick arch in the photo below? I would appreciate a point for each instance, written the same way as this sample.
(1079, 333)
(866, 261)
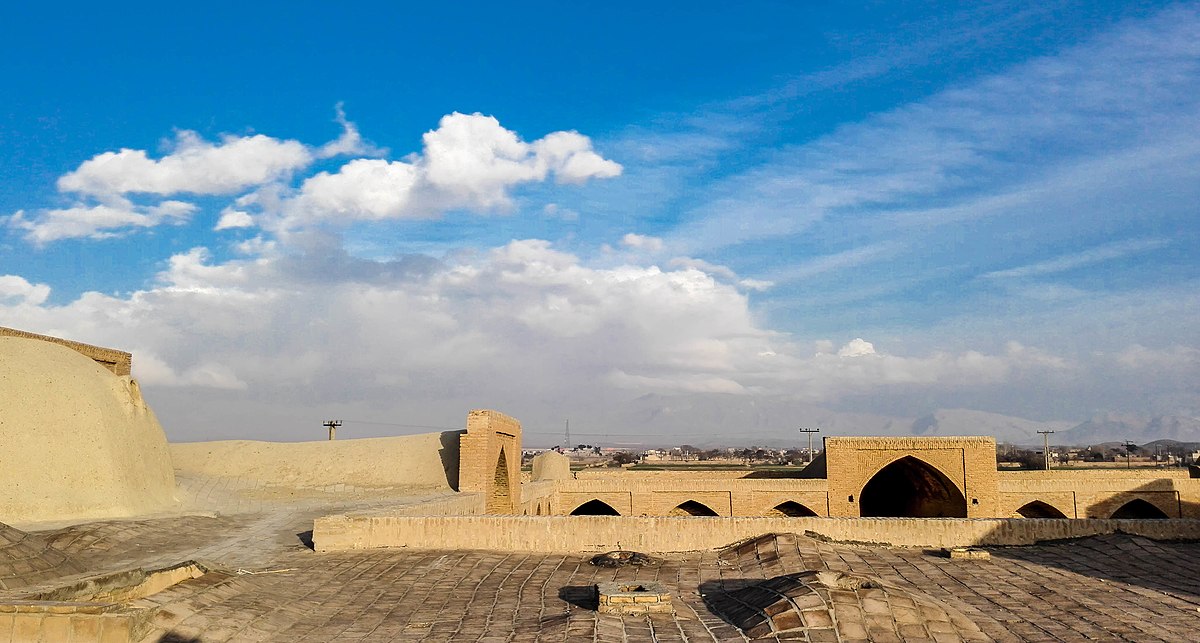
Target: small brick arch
(499, 500)
(1138, 509)
(595, 507)
(692, 508)
(1038, 509)
(791, 509)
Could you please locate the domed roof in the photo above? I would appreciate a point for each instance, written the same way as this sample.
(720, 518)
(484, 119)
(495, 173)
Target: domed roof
(830, 605)
(79, 441)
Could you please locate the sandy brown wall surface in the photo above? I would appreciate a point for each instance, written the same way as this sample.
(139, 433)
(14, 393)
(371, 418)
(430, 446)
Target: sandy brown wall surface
(426, 461)
(578, 534)
(79, 442)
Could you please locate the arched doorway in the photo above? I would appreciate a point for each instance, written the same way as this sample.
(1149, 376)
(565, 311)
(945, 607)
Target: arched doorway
(791, 510)
(499, 501)
(595, 508)
(1038, 509)
(910, 488)
(1138, 509)
(692, 508)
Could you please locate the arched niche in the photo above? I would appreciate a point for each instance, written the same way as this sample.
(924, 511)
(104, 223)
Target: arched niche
(499, 500)
(1138, 509)
(791, 509)
(692, 508)
(595, 508)
(911, 488)
(1038, 509)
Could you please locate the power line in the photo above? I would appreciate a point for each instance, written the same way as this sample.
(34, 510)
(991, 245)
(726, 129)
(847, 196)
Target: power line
(1046, 446)
(410, 426)
(810, 436)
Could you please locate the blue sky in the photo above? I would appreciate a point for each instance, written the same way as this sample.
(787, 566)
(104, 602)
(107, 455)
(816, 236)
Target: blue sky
(610, 210)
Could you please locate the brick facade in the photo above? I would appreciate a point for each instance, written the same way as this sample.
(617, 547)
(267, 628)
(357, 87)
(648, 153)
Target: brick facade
(490, 460)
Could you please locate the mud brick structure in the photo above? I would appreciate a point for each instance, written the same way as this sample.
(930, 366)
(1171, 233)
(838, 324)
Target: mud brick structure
(939, 477)
(633, 598)
(490, 460)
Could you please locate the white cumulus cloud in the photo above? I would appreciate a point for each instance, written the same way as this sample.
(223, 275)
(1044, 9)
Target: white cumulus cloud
(117, 216)
(469, 162)
(642, 242)
(857, 347)
(194, 165)
(17, 290)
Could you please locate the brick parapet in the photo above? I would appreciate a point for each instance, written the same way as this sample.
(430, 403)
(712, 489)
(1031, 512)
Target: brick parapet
(579, 534)
(119, 362)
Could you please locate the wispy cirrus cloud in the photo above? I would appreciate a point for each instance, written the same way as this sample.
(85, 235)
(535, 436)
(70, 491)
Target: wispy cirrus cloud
(1091, 256)
(1130, 96)
(851, 258)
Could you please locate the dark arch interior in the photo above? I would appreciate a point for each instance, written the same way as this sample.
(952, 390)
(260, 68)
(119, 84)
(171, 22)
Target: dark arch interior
(1138, 509)
(792, 509)
(1039, 509)
(910, 488)
(595, 508)
(498, 500)
(692, 508)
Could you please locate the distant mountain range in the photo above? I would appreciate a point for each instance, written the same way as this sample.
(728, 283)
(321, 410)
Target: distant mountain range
(730, 420)
(1004, 428)
(1109, 427)
(1140, 429)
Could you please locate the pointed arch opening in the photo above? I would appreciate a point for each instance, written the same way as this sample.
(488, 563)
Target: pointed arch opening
(911, 488)
(1038, 509)
(692, 508)
(1138, 509)
(595, 507)
(499, 500)
(791, 509)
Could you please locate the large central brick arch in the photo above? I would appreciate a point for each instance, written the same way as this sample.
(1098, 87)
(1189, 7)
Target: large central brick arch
(489, 460)
(966, 463)
(911, 488)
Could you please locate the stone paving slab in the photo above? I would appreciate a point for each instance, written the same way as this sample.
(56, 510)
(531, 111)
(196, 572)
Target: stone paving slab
(1108, 588)
(27, 559)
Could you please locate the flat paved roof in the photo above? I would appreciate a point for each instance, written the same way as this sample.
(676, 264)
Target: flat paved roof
(267, 585)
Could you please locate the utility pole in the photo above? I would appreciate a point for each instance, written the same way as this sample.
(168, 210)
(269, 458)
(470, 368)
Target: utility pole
(1046, 447)
(332, 425)
(1128, 451)
(810, 451)
(568, 433)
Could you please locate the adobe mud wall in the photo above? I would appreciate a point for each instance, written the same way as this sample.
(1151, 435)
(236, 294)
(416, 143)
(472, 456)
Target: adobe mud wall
(425, 461)
(76, 441)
